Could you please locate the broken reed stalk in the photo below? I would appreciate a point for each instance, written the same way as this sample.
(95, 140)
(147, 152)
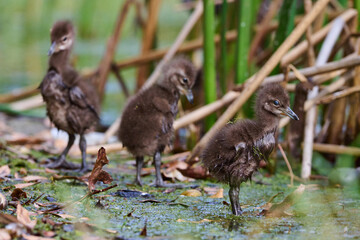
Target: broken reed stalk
(336, 149)
(302, 47)
(310, 119)
(261, 75)
(195, 16)
(111, 147)
(287, 164)
(310, 49)
(158, 54)
(105, 64)
(26, 104)
(262, 28)
(149, 32)
(328, 99)
(19, 94)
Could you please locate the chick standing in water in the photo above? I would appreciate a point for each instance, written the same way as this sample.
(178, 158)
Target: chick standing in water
(146, 126)
(72, 103)
(235, 152)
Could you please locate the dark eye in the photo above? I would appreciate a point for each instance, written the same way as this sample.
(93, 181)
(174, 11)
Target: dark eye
(276, 103)
(185, 80)
(64, 39)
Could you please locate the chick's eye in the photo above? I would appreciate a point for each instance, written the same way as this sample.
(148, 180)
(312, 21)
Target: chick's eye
(185, 80)
(276, 103)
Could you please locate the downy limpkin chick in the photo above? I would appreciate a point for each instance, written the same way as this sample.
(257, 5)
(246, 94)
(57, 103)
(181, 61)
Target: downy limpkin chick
(146, 126)
(235, 152)
(72, 101)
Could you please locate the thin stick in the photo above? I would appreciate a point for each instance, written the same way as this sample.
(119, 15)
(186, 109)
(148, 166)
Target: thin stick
(179, 40)
(260, 76)
(287, 164)
(118, 76)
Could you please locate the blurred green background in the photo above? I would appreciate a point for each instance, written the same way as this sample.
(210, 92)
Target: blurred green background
(24, 41)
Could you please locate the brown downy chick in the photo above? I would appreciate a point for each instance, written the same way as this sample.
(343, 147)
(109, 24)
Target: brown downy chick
(72, 103)
(147, 121)
(235, 152)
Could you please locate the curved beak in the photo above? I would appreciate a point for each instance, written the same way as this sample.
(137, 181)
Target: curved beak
(190, 96)
(52, 48)
(290, 113)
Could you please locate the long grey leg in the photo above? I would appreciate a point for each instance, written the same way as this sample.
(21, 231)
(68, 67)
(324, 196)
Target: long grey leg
(82, 146)
(139, 165)
(234, 199)
(157, 160)
(61, 160)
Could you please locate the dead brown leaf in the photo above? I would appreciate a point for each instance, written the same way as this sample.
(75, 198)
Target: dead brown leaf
(97, 173)
(201, 221)
(17, 194)
(191, 193)
(218, 194)
(175, 174)
(24, 185)
(32, 237)
(24, 218)
(197, 172)
(144, 231)
(4, 234)
(23, 171)
(4, 171)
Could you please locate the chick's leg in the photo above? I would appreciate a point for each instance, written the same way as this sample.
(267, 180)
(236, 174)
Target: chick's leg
(139, 165)
(60, 162)
(234, 199)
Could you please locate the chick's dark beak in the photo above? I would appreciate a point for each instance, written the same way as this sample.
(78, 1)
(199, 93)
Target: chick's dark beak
(52, 49)
(290, 113)
(190, 96)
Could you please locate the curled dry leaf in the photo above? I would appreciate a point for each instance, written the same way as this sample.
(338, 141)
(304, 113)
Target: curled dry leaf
(197, 172)
(191, 193)
(17, 194)
(24, 218)
(97, 173)
(279, 209)
(3, 202)
(4, 171)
